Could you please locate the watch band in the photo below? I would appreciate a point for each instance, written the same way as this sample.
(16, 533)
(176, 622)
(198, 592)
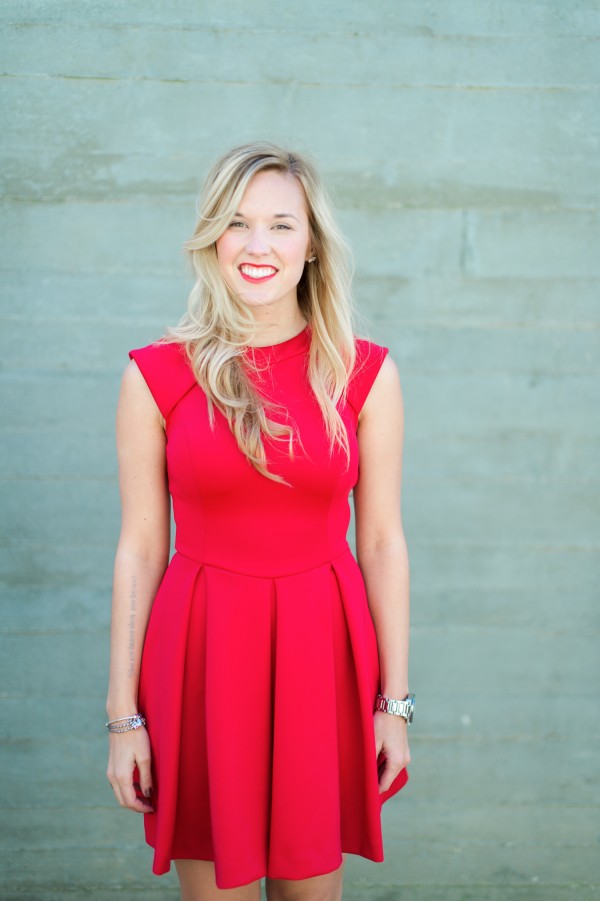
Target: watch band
(404, 707)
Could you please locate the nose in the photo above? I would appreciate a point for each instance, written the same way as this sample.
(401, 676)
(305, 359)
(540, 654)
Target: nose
(258, 242)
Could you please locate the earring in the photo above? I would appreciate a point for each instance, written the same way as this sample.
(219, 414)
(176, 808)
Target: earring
(311, 259)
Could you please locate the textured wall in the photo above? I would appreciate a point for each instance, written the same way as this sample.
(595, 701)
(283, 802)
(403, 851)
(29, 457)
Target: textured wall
(461, 143)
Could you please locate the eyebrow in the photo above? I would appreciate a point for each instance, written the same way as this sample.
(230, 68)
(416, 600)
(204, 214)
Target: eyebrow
(275, 216)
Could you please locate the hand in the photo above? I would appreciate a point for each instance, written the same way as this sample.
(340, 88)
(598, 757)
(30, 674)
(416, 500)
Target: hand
(391, 743)
(127, 751)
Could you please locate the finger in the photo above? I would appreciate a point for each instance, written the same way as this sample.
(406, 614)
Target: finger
(378, 744)
(388, 775)
(130, 798)
(145, 774)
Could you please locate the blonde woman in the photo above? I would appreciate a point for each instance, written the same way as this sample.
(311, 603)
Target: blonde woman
(258, 699)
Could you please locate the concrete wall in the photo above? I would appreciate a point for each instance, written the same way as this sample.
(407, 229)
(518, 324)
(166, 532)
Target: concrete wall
(461, 142)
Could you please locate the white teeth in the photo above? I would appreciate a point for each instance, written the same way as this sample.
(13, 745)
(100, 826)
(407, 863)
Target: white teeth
(258, 271)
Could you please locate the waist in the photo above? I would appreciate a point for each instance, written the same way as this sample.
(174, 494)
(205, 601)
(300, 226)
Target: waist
(266, 570)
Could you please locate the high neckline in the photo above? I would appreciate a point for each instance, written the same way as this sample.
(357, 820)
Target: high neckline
(284, 349)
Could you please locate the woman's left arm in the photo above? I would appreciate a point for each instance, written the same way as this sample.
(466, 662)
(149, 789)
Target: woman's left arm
(382, 554)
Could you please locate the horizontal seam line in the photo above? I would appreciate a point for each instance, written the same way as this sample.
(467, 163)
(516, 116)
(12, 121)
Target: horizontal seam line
(204, 563)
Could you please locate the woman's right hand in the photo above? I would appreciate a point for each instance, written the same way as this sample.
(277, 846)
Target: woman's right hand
(128, 750)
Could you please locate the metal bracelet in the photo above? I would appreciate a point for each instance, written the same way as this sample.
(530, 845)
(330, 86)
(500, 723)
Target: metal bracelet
(121, 718)
(403, 707)
(129, 723)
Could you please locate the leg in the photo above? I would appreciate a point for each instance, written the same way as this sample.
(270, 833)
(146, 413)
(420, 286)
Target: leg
(318, 888)
(197, 881)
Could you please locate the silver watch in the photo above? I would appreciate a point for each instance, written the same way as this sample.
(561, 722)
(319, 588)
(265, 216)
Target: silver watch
(404, 708)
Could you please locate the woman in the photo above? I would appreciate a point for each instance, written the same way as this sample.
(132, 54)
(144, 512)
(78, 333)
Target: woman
(247, 732)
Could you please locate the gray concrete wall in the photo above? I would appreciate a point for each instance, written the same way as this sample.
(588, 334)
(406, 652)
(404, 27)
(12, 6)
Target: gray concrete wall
(461, 142)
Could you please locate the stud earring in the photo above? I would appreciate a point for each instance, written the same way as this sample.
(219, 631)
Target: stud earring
(311, 259)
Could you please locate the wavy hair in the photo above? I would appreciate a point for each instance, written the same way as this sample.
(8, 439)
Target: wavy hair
(217, 326)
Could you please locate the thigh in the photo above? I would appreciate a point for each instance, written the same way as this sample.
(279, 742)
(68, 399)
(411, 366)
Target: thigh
(327, 887)
(197, 881)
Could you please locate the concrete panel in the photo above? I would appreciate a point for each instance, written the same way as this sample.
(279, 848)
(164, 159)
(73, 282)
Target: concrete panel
(429, 18)
(111, 238)
(471, 404)
(38, 566)
(495, 302)
(63, 608)
(526, 245)
(144, 152)
(120, 868)
(153, 52)
(136, 301)
(450, 568)
(50, 400)
(506, 456)
(63, 455)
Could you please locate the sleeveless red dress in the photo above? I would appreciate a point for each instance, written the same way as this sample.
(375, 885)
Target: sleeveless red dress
(260, 667)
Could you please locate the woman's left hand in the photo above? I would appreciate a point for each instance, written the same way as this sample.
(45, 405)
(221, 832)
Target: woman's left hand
(391, 743)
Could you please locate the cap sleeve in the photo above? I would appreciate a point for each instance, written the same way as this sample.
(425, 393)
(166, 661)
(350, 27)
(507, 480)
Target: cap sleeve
(369, 359)
(167, 373)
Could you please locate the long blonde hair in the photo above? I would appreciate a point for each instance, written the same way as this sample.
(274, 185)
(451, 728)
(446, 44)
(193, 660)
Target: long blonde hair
(217, 326)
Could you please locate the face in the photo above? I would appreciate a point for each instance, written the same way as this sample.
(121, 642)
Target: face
(263, 251)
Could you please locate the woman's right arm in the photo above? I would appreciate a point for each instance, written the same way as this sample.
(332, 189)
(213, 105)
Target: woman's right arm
(140, 562)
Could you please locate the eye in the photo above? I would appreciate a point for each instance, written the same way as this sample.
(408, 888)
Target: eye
(281, 225)
(232, 224)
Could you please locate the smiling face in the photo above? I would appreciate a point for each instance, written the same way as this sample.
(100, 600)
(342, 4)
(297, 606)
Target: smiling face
(262, 252)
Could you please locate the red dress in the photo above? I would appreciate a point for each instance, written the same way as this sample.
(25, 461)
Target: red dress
(260, 667)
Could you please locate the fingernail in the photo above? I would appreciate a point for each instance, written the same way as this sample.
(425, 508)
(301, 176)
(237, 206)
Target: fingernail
(147, 792)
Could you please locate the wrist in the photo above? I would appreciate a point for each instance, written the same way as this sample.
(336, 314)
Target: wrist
(126, 723)
(403, 707)
(122, 707)
(394, 691)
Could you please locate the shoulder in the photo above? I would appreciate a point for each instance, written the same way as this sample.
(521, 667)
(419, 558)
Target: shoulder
(368, 351)
(159, 353)
(166, 369)
(384, 397)
(370, 360)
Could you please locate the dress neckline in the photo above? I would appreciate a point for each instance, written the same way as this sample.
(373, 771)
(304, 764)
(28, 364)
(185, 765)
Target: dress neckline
(284, 349)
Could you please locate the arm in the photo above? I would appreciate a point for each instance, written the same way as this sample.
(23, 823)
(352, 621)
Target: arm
(140, 561)
(382, 553)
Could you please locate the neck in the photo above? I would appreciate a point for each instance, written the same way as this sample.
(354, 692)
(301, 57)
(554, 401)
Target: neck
(277, 332)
